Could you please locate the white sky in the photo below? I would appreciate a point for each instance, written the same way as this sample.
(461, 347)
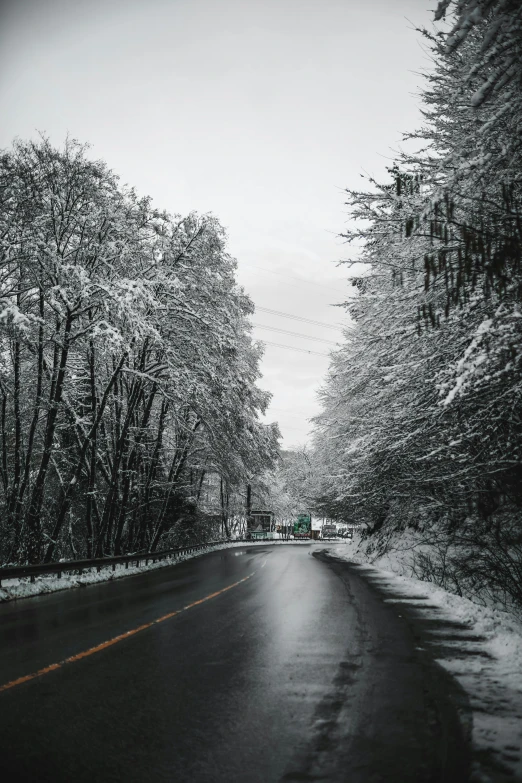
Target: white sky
(260, 111)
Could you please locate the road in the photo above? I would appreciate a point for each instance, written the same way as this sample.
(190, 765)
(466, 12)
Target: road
(247, 665)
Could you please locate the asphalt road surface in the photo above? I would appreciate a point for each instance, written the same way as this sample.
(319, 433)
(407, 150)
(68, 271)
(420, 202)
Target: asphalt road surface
(247, 665)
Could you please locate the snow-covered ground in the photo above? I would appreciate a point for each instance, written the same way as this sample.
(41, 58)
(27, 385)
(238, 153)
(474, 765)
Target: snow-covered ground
(24, 588)
(484, 654)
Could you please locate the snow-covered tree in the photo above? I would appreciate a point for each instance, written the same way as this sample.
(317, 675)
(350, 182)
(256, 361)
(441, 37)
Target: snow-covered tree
(128, 368)
(421, 423)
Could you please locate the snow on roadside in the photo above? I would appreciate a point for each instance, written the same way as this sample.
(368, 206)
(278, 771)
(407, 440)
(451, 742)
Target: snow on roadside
(12, 589)
(485, 657)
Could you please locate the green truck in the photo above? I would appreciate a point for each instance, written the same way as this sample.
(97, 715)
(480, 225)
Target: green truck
(303, 526)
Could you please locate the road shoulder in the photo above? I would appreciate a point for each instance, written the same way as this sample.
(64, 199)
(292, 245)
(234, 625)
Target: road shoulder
(478, 649)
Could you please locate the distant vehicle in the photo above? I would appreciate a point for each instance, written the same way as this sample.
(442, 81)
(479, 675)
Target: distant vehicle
(303, 526)
(260, 525)
(329, 531)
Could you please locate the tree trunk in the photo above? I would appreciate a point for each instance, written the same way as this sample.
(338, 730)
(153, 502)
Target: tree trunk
(225, 499)
(36, 414)
(130, 468)
(174, 474)
(87, 441)
(35, 507)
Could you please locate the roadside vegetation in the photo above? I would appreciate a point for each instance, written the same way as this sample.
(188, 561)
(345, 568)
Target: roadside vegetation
(421, 430)
(129, 405)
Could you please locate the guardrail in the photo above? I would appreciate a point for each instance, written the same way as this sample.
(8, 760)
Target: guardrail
(12, 572)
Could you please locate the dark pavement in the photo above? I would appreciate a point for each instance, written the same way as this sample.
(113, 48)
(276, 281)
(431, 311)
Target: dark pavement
(298, 673)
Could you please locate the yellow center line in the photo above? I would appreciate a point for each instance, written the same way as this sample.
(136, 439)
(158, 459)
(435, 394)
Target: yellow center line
(73, 658)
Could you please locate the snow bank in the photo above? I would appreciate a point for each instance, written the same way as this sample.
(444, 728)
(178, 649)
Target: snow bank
(484, 654)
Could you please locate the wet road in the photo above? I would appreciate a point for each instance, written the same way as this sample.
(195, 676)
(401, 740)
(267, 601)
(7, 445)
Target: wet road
(247, 665)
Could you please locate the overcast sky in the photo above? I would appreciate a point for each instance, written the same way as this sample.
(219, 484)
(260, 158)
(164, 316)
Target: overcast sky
(260, 111)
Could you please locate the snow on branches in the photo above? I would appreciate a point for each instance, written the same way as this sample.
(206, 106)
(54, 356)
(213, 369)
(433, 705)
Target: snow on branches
(128, 369)
(421, 422)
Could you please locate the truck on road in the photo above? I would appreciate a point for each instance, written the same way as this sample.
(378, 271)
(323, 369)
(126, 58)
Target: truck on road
(303, 526)
(329, 531)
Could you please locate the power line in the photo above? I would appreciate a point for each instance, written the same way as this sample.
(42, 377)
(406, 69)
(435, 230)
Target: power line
(288, 416)
(301, 415)
(291, 348)
(295, 429)
(288, 410)
(295, 334)
(298, 318)
(293, 277)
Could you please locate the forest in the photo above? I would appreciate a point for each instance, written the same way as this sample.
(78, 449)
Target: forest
(129, 405)
(130, 411)
(420, 433)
